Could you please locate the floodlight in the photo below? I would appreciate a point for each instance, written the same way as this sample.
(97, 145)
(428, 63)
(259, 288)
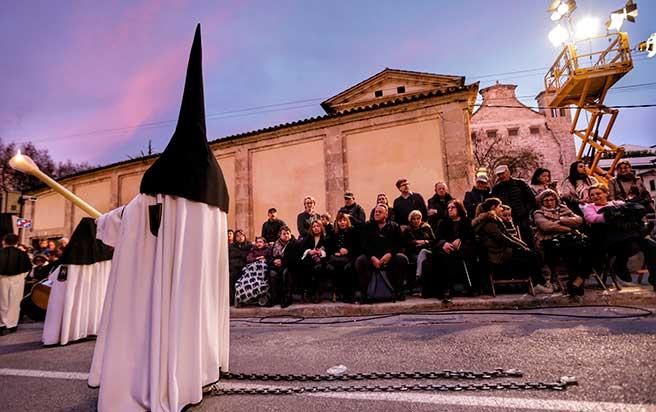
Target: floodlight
(648, 46)
(558, 35)
(561, 8)
(615, 22)
(631, 11)
(586, 28)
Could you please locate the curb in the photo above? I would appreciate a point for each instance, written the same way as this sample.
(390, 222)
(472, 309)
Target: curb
(638, 295)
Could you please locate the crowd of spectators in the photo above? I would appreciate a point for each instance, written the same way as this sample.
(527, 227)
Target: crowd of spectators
(444, 246)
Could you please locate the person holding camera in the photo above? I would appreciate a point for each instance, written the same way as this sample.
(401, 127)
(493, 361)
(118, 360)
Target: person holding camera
(557, 237)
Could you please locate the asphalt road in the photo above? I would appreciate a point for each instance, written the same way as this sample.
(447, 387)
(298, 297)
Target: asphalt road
(613, 359)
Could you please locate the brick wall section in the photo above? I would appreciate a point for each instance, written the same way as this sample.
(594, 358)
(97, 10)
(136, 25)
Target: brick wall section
(554, 141)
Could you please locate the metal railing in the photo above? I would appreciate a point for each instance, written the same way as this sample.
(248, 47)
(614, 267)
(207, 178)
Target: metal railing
(571, 62)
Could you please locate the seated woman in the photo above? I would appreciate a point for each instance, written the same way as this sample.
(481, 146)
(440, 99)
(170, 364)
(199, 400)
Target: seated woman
(280, 275)
(344, 248)
(382, 198)
(253, 286)
(454, 255)
(418, 239)
(237, 252)
(505, 250)
(557, 237)
(313, 260)
(617, 229)
(574, 189)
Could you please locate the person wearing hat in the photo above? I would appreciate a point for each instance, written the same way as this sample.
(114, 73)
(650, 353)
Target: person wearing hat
(519, 196)
(272, 226)
(476, 195)
(355, 211)
(164, 331)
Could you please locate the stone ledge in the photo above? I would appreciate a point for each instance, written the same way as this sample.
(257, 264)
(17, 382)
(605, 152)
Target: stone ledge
(634, 295)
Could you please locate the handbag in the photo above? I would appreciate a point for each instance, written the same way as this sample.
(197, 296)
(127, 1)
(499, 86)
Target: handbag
(380, 288)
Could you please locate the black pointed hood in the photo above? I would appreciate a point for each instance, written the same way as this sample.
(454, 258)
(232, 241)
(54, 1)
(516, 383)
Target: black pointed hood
(187, 167)
(83, 248)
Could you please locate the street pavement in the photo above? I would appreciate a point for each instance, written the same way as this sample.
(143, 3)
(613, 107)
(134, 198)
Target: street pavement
(612, 358)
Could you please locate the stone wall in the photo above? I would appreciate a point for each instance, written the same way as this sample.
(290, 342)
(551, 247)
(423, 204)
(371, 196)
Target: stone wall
(425, 141)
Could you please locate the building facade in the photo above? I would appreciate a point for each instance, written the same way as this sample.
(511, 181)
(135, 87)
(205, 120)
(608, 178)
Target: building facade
(545, 132)
(394, 124)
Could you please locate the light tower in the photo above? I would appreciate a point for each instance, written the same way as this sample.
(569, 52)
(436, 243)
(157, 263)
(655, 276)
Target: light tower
(586, 68)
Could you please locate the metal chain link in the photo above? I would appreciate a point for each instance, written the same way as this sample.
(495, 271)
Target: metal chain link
(446, 374)
(561, 385)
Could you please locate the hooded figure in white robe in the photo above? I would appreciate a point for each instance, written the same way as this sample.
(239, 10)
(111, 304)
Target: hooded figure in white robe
(78, 289)
(164, 331)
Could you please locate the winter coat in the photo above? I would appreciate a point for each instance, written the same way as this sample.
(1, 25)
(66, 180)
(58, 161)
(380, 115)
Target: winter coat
(358, 216)
(551, 222)
(256, 253)
(450, 230)
(493, 236)
(410, 235)
(516, 194)
(474, 198)
(619, 189)
(270, 229)
(377, 241)
(347, 239)
(403, 207)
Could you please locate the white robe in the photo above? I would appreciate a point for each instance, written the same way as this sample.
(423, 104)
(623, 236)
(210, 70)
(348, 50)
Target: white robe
(164, 331)
(75, 305)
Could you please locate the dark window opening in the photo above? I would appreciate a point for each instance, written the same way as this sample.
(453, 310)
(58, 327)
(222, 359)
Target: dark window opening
(563, 112)
(492, 134)
(378, 93)
(535, 130)
(554, 112)
(473, 135)
(513, 132)
(652, 185)
(400, 89)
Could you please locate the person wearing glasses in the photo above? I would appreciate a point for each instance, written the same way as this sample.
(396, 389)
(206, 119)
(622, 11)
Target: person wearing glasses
(407, 202)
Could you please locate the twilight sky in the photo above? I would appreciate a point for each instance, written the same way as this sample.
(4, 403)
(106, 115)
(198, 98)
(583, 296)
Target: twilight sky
(94, 81)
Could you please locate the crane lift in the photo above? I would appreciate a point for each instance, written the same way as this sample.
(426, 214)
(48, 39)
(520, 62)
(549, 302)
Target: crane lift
(582, 75)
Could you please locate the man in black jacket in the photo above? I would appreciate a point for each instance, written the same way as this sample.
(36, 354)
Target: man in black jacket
(407, 202)
(477, 195)
(14, 267)
(516, 194)
(271, 228)
(381, 244)
(437, 205)
(354, 210)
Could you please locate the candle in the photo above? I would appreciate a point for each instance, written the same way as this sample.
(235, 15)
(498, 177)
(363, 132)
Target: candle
(25, 164)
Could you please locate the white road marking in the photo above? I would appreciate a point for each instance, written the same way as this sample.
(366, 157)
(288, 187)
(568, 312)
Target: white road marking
(536, 404)
(35, 373)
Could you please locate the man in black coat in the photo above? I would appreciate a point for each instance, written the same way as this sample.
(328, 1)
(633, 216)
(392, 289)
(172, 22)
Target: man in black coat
(354, 210)
(437, 205)
(477, 195)
(519, 196)
(381, 244)
(407, 202)
(271, 228)
(14, 267)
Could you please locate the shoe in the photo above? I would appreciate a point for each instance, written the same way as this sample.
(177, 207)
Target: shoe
(286, 302)
(543, 290)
